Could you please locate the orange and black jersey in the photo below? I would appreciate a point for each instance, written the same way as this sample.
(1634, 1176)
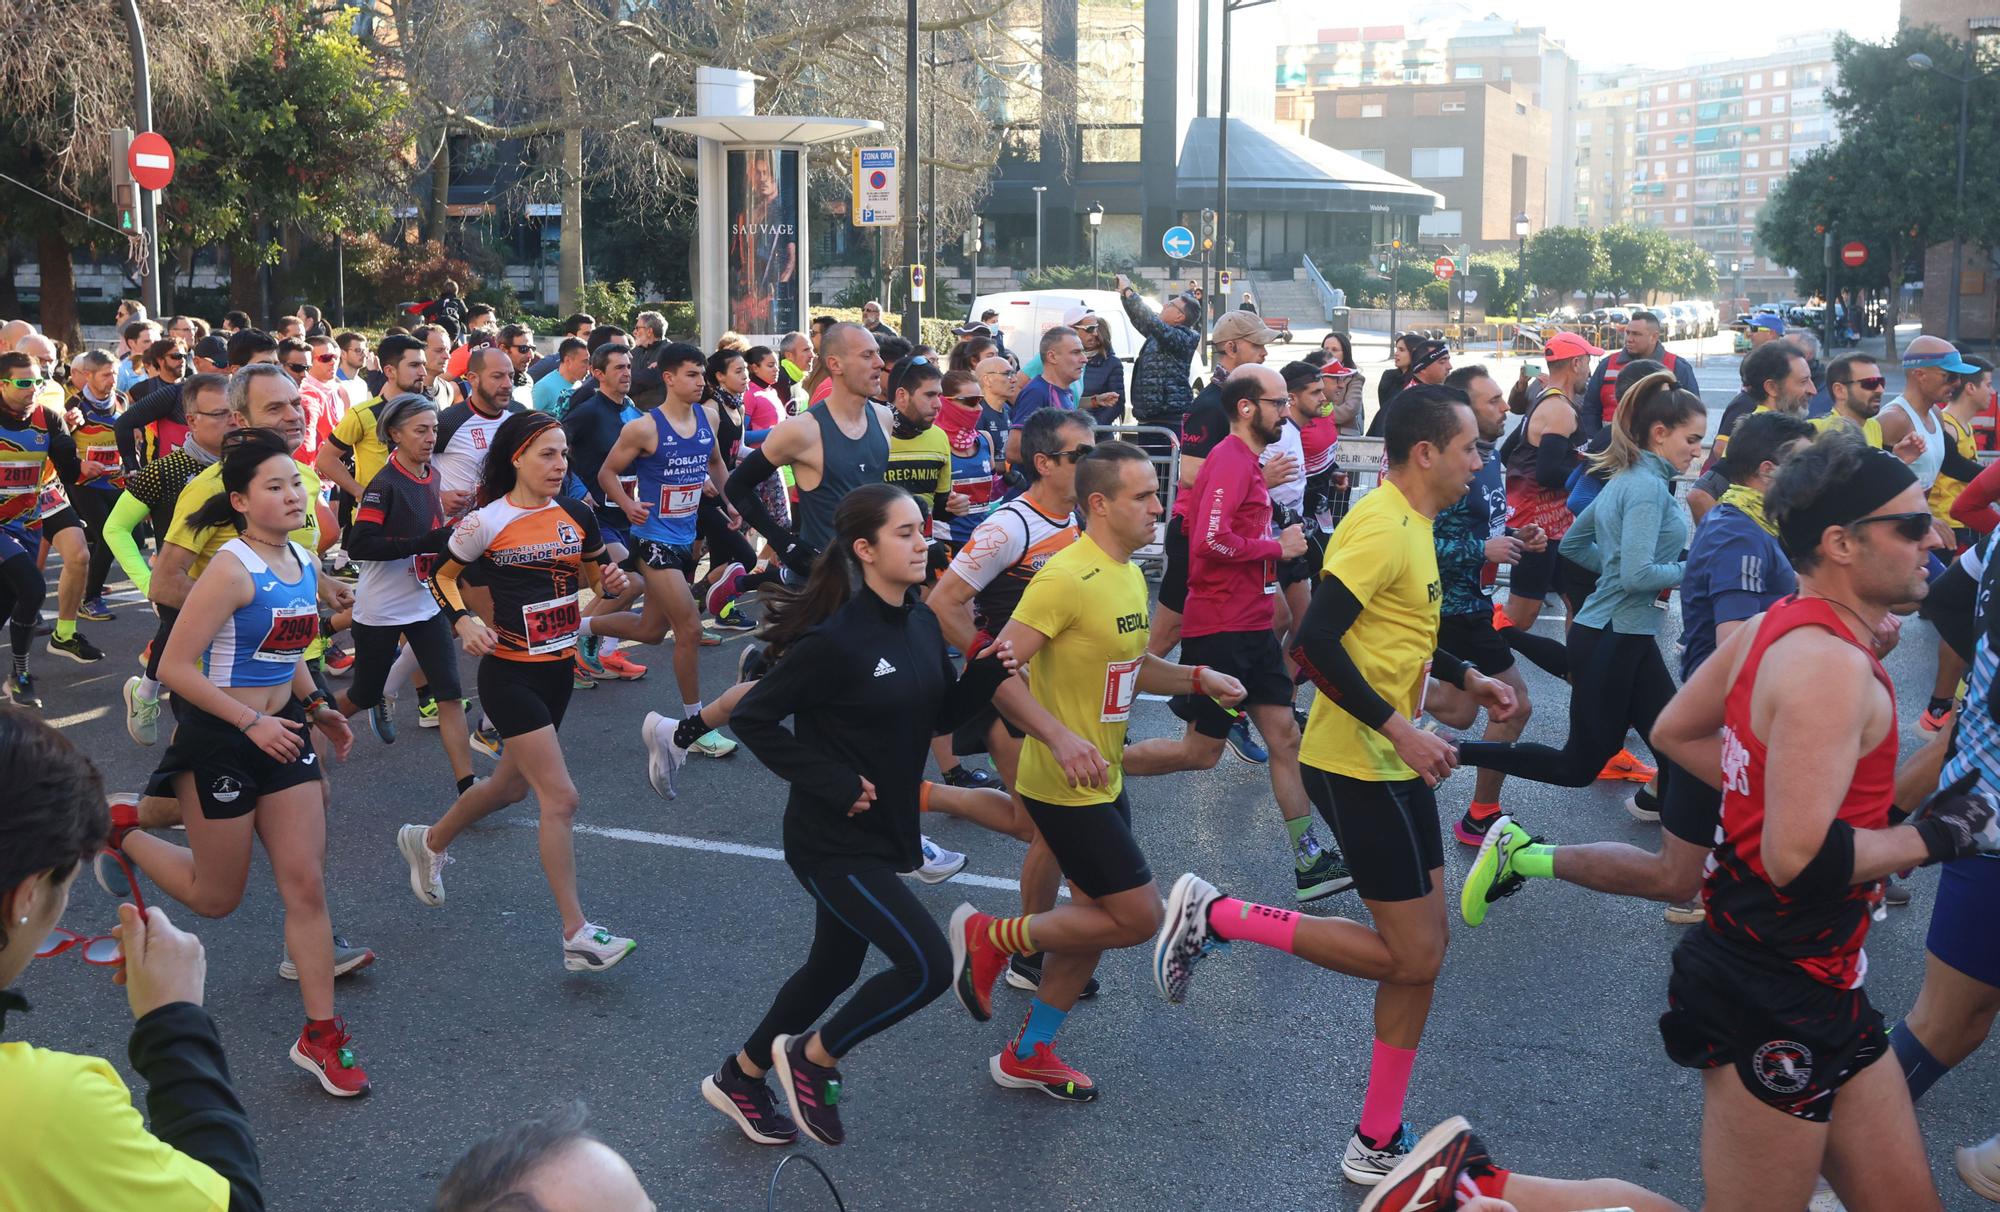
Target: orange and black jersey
(533, 562)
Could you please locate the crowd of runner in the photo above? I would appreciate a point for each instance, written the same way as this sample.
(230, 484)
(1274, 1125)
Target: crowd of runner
(938, 552)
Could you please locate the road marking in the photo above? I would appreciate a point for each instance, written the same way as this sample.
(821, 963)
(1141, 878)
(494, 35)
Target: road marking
(681, 842)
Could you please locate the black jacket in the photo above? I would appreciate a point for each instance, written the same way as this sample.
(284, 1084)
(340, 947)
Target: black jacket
(866, 691)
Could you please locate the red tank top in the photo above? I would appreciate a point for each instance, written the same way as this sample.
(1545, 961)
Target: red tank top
(1820, 935)
(1607, 395)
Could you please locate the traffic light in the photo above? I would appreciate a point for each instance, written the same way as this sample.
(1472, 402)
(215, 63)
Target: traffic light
(1207, 229)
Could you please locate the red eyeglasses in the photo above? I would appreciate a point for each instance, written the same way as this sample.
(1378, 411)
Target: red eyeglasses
(114, 872)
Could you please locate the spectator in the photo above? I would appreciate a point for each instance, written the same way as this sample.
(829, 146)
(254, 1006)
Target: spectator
(1102, 388)
(1430, 364)
(871, 319)
(1346, 387)
(234, 322)
(1400, 352)
(578, 326)
(448, 312)
(316, 325)
(1062, 365)
(552, 392)
(546, 1164)
(77, 1142)
(1642, 341)
(1161, 394)
(1248, 304)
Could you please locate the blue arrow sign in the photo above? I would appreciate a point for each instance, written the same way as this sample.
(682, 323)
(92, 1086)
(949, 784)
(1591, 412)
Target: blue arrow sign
(1178, 243)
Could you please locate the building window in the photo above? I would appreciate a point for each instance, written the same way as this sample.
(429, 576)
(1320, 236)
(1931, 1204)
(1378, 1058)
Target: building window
(1777, 159)
(1757, 108)
(1778, 78)
(1686, 91)
(1469, 71)
(1750, 184)
(1680, 191)
(1680, 214)
(1371, 111)
(1752, 160)
(1660, 144)
(1437, 162)
(1756, 79)
(1777, 105)
(1778, 131)
(1660, 94)
(1680, 166)
(1369, 155)
(1110, 144)
(1442, 225)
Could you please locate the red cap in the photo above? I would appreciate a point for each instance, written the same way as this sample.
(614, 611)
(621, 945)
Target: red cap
(1569, 345)
(1334, 370)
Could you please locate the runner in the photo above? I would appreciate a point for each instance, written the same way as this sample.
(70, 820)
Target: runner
(237, 666)
(1081, 629)
(36, 455)
(1370, 646)
(536, 548)
(1736, 570)
(865, 679)
(1539, 456)
(94, 411)
(1795, 720)
(726, 376)
(592, 429)
(354, 453)
(1450, 1170)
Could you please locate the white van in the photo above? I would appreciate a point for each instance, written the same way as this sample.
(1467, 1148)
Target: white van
(1026, 314)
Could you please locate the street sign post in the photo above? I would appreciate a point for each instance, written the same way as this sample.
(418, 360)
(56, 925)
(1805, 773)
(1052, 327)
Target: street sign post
(1225, 284)
(917, 283)
(1444, 269)
(1178, 243)
(151, 159)
(1854, 254)
(877, 187)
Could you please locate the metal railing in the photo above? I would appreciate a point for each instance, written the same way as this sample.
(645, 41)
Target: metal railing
(1163, 447)
(1318, 280)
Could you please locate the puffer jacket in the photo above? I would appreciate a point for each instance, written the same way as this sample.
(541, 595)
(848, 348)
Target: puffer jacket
(1160, 390)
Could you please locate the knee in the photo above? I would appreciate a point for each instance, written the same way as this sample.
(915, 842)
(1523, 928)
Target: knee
(559, 807)
(1139, 923)
(302, 888)
(215, 902)
(1417, 964)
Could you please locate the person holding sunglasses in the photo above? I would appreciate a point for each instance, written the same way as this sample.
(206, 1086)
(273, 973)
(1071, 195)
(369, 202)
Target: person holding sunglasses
(1101, 390)
(199, 1155)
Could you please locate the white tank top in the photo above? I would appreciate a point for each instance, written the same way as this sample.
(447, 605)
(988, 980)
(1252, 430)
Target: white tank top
(1930, 462)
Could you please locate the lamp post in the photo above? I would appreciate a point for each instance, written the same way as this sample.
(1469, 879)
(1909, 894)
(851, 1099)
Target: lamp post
(1229, 8)
(1096, 221)
(1736, 273)
(1922, 62)
(1521, 252)
(1039, 191)
(912, 181)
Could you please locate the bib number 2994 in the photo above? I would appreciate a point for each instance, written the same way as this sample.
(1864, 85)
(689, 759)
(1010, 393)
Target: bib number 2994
(1121, 683)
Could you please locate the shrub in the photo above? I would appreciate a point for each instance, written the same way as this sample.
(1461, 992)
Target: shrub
(381, 276)
(610, 302)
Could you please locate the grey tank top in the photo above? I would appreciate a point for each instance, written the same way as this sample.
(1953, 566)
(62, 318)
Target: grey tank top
(845, 465)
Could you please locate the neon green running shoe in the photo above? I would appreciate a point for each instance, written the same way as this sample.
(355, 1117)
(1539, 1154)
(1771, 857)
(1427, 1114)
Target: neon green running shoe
(1492, 875)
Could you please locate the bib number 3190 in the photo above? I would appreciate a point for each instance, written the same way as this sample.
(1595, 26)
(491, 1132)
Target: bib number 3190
(551, 626)
(1121, 683)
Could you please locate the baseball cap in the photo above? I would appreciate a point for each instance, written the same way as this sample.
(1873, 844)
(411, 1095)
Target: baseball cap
(1243, 326)
(972, 328)
(1335, 369)
(213, 348)
(1950, 360)
(1770, 320)
(1075, 316)
(1569, 345)
(1430, 353)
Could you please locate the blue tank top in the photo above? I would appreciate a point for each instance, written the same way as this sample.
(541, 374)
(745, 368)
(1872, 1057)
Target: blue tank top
(671, 479)
(262, 642)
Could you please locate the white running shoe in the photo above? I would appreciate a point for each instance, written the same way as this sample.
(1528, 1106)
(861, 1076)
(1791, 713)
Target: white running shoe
(713, 744)
(1367, 1165)
(426, 866)
(1979, 1166)
(663, 758)
(1823, 1199)
(593, 949)
(142, 715)
(939, 864)
(1185, 936)
(346, 958)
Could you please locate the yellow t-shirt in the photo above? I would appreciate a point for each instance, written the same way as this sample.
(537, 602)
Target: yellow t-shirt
(1871, 429)
(1092, 608)
(1946, 490)
(205, 543)
(1384, 553)
(75, 1143)
(921, 465)
(356, 431)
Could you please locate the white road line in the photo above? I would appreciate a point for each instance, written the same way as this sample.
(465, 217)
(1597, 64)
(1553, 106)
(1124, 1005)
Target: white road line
(681, 842)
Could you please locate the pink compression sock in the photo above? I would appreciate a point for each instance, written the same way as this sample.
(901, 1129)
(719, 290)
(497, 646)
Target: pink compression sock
(1388, 1082)
(1232, 919)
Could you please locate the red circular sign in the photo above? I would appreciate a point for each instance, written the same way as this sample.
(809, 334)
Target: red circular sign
(1444, 268)
(151, 161)
(1854, 254)
(878, 179)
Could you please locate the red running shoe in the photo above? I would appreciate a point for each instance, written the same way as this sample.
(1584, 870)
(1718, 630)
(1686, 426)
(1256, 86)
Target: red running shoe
(615, 662)
(1631, 769)
(331, 1060)
(1428, 1176)
(339, 661)
(1932, 721)
(975, 961)
(1044, 1071)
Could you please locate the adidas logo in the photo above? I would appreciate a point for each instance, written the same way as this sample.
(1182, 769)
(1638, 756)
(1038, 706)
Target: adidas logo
(883, 667)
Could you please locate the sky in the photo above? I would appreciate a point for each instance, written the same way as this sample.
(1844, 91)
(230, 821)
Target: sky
(1643, 35)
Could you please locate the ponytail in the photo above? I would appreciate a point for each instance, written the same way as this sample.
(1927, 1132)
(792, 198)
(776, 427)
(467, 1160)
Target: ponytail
(790, 613)
(1656, 399)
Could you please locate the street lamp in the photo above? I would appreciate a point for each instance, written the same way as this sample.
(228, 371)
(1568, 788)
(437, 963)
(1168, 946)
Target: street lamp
(1736, 272)
(1521, 251)
(1229, 7)
(1039, 191)
(1096, 221)
(1922, 62)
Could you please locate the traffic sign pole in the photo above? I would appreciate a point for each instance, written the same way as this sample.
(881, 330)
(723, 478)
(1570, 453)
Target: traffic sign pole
(142, 105)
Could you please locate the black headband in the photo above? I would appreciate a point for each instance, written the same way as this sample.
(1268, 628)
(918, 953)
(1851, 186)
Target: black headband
(1879, 479)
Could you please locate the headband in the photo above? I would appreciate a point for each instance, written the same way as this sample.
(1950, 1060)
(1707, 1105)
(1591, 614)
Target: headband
(540, 422)
(1879, 479)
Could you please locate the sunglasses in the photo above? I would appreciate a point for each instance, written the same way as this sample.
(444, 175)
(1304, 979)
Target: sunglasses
(297, 368)
(25, 383)
(1872, 382)
(970, 399)
(1911, 526)
(522, 349)
(326, 357)
(99, 949)
(1073, 457)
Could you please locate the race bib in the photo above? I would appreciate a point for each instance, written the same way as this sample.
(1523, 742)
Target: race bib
(17, 478)
(679, 500)
(102, 459)
(631, 486)
(1270, 576)
(551, 626)
(1121, 683)
(293, 629)
(53, 499)
(421, 567)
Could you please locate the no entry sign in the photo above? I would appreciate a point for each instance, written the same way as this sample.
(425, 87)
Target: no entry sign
(1443, 268)
(151, 161)
(1854, 254)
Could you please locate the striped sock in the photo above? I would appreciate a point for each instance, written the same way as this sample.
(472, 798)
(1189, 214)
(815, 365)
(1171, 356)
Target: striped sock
(1010, 934)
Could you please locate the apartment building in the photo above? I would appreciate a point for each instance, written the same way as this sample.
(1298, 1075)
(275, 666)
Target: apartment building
(1606, 136)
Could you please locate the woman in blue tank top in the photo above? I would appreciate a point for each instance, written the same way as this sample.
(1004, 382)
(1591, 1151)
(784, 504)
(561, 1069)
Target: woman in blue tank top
(236, 666)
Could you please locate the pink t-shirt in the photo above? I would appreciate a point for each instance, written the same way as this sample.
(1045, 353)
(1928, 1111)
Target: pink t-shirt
(760, 411)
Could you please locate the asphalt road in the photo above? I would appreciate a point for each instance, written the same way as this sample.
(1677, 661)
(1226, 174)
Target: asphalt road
(1543, 1031)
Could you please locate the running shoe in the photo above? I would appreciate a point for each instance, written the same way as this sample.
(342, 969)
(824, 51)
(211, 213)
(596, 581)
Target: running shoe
(1979, 1166)
(21, 690)
(1624, 766)
(750, 1105)
(588, 660)
(1365, 1164)
(427, 709)
(1500, 620)
(1895, 893)
(628, 671)
(142, 715)
(975, 961)
(1044, 1071)
(1934, 721)
(581, 680)
(1644, 806)
(939, 864)
(1024, 972)
(346, 958)
(1428, 1175)
(1244, 745)
(811, 1091)
(1471, 828)
(426, 865)
(486, 739)
(710, 639)
(732, 618)
(1327, 875)
(76, 648)
(1185, 936)
(713, 744)
(338, 662)
(962, 775)
(593, 949)
(723, 589)
(750, 663)
(1492, 875)
(331, 1060)
(1687, 913)
(663, 757)
(94, 610)
(382, 718)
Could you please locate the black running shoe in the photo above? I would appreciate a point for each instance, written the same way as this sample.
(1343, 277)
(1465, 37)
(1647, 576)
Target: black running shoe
(811, 1091)
(1024, 972)
(21, 691)
(749, 1104)
(76, 648)
(750, 663)
(966, 776)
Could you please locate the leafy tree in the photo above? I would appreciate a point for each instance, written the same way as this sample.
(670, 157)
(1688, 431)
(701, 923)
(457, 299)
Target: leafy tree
(1565, 259)
(1637, 260)
(1498, 278)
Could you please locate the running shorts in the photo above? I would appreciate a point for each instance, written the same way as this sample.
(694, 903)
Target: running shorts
(1173, 582)
(375, 651)
(1388, 832)
(1093, 844)
(1471, 638)
(1252, 658)
(230, 771)
(666, 557)
(62, 519)
(1532, 576)
(1968, 905)
(1690, 809)
(1299, 569)
(972, 737)
(1792, 1040)
(519, 697)
(617, 540)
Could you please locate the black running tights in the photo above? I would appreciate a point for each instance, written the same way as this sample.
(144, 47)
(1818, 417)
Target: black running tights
(1616, 682)
(26, 589)
(93, 505)
(854, 912)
